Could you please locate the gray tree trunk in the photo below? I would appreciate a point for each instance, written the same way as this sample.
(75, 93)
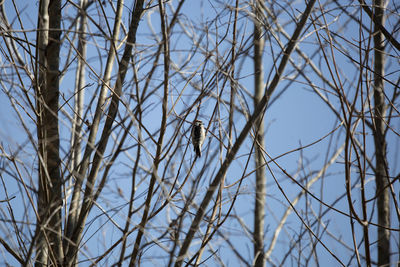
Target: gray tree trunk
(259, 208)
(49, 243)
(381, 178)
(41, 43)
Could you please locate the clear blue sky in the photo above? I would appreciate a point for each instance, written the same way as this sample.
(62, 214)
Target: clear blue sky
(299, 117)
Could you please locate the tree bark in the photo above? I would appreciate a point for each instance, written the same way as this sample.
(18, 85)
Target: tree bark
(380, 108)
(49, 248)
(77, 124)
(52, 137)
(40, 84)
(259, 208)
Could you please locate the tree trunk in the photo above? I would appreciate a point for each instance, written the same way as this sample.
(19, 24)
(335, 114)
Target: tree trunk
(381, 178)
(78, 122)
(49, 243)
(259, 208)
(40, 85)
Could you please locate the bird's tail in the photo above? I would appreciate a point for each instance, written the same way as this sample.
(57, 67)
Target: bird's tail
(198, 151)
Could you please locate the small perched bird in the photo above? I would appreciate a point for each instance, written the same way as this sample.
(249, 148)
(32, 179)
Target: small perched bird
(198, 136)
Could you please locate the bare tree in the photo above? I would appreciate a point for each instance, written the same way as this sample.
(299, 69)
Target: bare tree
(98, 100)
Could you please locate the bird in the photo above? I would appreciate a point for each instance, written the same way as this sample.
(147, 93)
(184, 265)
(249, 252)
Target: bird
(198, 136)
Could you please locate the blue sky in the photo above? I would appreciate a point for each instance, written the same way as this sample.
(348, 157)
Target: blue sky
(297, 118)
